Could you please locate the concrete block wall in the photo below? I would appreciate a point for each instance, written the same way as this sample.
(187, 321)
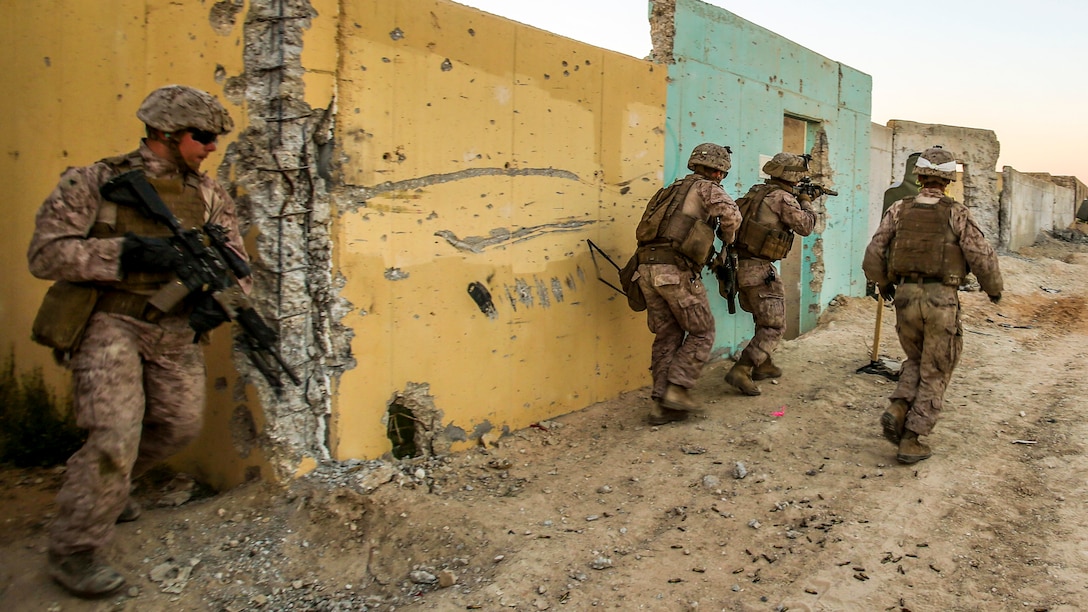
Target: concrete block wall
(1029, 205)
(882, 174)
(1079, 189)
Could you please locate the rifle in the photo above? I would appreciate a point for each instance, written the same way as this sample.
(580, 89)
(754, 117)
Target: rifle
(724, 266)
(813, 190)
(210, 269)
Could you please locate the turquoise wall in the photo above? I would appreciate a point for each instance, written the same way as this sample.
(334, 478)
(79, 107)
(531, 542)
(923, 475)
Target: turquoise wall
(732, 83)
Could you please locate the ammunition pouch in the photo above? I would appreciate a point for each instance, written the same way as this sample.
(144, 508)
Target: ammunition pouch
(129, 304)
(635, 299)
(62, 318)
(693, 238)
(140, 306)
(763, 241)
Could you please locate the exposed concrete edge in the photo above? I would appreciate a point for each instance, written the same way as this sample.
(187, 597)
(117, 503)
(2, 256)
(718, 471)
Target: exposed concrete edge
(662, 30)
(280, 178)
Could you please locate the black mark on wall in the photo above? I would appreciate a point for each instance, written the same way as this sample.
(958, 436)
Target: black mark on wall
(482, 297)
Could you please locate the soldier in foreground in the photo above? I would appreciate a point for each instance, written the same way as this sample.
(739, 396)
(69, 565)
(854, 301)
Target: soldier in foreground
(918, 257)
(773, 212)
(675, 241)
(139, 376)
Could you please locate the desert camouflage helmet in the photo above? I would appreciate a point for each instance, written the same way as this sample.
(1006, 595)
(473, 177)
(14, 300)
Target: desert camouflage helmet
(938, 162)
(710, 155)
(787, 166)
(176, 107)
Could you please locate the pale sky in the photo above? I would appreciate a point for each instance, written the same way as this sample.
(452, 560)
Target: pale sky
(1017, 68)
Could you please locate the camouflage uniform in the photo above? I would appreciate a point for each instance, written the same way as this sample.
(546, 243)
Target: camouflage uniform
(139, 386)
(677, 308)
(760, 286)
(928, 313)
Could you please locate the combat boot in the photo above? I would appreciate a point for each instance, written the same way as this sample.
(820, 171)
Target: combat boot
(84, 575)
(740, 376)
(766, 370)
(677, 398)
(911, 450)
(131, 512)
(660, 415)
(892, 420)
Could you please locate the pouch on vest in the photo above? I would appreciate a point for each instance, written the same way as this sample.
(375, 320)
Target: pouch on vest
(655, 214)
(691, 237)
(635, 299)
(63, 315)
(757, 238)
(765, 242)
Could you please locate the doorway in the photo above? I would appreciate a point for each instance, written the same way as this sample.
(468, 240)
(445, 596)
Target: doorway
(798, 136)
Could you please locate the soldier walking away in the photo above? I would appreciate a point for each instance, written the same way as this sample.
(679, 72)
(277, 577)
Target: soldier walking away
(918, 257)
(773, 211)
(675, 241)
(138, 373)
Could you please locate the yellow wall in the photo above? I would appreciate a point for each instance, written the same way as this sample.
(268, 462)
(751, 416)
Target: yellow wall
(453, 123)
(75, 73)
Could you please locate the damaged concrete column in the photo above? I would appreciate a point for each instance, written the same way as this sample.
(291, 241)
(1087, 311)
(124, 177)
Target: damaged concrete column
(281, 186)
(662, 30)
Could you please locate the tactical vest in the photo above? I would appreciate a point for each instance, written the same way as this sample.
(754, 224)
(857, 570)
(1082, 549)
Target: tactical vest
(181, 195)
(924, 246)
(666, 232)
(762, 235)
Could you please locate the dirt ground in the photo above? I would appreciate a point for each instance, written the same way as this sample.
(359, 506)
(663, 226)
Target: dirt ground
(787, 501)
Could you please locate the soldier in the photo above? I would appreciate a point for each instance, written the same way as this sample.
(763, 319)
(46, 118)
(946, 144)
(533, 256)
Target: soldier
(919, 255)
(139, 378)
(675, 241)
(772, 214)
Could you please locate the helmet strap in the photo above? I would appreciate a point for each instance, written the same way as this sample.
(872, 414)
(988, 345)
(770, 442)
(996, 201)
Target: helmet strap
(166, 145)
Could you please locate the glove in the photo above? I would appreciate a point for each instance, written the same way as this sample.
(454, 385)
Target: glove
(145, 254)
(871, 290)
(995, 298)
(207, 315)
(888, 292)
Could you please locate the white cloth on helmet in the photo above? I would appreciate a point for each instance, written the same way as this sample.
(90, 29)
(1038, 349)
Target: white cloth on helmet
(945, 167)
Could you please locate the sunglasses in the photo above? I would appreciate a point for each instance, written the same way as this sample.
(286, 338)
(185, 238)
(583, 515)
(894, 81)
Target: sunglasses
(202, 136)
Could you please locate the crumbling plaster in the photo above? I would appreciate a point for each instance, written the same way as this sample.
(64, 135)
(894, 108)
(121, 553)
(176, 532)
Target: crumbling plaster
(279, 172)
(662, 30)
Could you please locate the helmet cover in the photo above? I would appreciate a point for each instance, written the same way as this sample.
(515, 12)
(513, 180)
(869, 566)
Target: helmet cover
(787, 167)
(936, 161)
(176, 107)
(712, 156)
